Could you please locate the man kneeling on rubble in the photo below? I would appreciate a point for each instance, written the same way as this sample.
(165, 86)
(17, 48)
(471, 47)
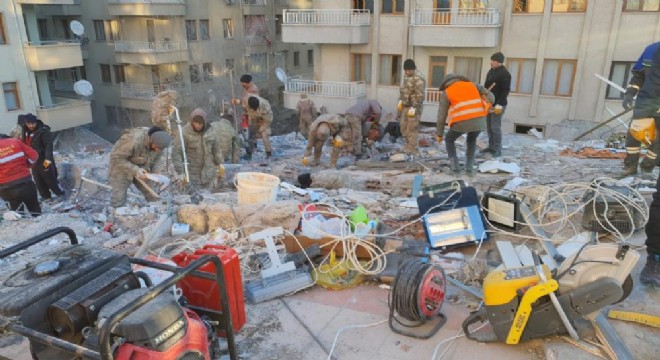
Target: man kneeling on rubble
(321, 129)
(136, 153)
(201, 141)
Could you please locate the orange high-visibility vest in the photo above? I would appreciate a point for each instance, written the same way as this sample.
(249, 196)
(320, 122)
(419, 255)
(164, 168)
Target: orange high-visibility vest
(466, 102)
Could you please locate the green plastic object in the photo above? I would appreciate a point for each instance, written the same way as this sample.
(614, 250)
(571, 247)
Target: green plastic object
(359, 215)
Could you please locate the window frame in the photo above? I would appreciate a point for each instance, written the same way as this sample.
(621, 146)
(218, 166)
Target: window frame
(195, 77)
(228, 28)
(191, 31)
(3, 33)
(640, 8)
(396, 70)
(560, 64)
(526, 6)
(207, 71)
(568, 11)
(204, 36)
(99, 30)
(310, 57)
(515, 86)
(365, 69)
(296, 59)
(119, 73)
(393, 4)
(16, 95)
(471, 67)
(106, 73)
(626, 78)
(363, 5)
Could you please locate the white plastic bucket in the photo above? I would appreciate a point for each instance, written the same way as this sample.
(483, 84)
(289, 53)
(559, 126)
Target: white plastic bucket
(256, 188)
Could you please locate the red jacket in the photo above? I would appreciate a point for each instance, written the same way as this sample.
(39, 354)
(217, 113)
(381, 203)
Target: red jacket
(15, 160)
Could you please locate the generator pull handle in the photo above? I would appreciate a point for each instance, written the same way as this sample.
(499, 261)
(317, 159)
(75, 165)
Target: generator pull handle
(39, 238)
(478, 316)
(553, 297)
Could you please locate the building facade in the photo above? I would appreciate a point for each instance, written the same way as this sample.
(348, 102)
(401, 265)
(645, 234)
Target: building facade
(553, 49)
(133, 49)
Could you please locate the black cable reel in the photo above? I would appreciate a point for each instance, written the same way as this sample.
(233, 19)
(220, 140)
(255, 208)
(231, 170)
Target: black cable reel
(416, 298)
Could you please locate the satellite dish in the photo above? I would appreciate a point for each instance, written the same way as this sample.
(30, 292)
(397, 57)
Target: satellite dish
(77, 27)
(281, 74)
(83, 88)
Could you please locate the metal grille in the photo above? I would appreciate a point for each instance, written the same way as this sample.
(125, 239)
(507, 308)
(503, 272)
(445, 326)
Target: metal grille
(191, 355)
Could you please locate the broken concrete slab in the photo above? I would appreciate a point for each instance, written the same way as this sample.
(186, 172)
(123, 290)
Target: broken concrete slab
(220, 216)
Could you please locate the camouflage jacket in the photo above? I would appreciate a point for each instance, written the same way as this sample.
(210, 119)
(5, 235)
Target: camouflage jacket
(229, 141)
(336, 123)
(306, 109)
(203, 150)
(263, 115)
(132, 153)
(412, 91)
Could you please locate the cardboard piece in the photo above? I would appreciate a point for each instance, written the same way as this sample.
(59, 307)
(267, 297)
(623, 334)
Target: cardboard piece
(292, 246)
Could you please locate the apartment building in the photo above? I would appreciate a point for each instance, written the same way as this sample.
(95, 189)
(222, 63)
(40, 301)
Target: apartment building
(553, 50)
(133, 49)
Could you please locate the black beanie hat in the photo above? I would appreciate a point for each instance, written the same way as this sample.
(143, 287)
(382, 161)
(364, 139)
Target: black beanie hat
(246, 78)
(498, 56)
(30, 118)
(253, 103)
(409, 64)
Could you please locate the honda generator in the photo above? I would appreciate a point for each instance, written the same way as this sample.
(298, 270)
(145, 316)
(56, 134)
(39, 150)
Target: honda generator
(85, 302)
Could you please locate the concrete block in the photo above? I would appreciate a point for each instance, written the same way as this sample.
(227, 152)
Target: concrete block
(195, 216)
(220, 216)
(256, 217)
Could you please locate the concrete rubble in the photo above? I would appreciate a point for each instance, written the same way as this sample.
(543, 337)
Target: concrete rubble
(530, 163)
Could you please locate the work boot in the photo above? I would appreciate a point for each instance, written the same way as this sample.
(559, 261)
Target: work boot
(269, 154)
(469, 158)
(646, 167)
(486, 151)
(248, 156)
(629, 170)
(650, 274)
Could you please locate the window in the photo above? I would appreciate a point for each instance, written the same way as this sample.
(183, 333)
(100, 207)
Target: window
(361, 68)
(296, 59)
(558, 77)
(3, 38)
(208, 71)
(363, 5)
(120, 75)
(641, 5)
(229, 63)
(278, 25)
(390, 70)
(106, 77)
(12, 101)
(191, 30)
(99, 30)
(522, 75)
(42, 24)
(438, 70)
(528, 6)
(204, 32)
(393, 6)
(228, 28)
(113, 27)
(194, 74)
(569, 6)
(470, 67)
(310, 57)
(257, 66)
(111, 115)
(620, 74)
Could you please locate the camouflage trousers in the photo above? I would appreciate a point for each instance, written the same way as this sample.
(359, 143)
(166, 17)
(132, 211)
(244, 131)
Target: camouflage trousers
(304, 124)
(315, 142)
(355, 123)
(120, 184)
(409, 132)
(259, 131)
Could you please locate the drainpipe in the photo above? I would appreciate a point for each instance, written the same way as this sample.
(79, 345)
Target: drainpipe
(20, 40)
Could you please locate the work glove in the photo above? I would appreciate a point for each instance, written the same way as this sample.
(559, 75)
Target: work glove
(235, 101)
(629, 96)
(337, 142)
(411, 112)
(305, 161)
(399, 106)
(46, 164)
(141, 174)
(438, 138)
(221, 171)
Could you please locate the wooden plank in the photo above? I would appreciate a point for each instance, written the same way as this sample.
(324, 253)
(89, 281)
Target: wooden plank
(508, 254)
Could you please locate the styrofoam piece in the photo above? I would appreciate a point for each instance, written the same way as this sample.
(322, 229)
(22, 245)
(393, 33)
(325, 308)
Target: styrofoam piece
(508, 254)
(269, 288)
(494, 166)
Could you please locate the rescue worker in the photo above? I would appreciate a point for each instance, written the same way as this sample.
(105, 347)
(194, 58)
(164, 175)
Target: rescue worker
(462, 105)
(498, 81)
(634, 146)
(17, 131)
(260, 116)
(409, 107)
(648, 105)
(306, 110)
(357, 115)
(324, 127)
(16, 185)
(201, 141)
(38, 136)
(249, 89)
(230, 143)
(136, 153)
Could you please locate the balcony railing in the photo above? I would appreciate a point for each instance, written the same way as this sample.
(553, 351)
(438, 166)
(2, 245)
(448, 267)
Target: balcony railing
(150, 47)
(146, 1)
(326, 88)
(148, 92)
(61, 103)
(255, 40)
(327, 17)
(474, 17)
(432, 95)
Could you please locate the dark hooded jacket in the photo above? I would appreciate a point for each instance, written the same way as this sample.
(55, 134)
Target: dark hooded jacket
(41, 140)
(648, 99)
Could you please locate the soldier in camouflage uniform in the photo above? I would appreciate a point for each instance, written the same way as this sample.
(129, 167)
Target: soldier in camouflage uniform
(136, 153)
(356, 116)
(260, 116)
(409, 108)
(230, 142)
(325, 126)
(203, 151)
(306, 110)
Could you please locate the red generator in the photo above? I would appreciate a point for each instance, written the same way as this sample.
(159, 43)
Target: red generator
(202, 293)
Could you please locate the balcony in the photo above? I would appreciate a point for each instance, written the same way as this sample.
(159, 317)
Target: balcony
(430, 106)
(326, 26)
(65, 113)
(140, 96)
(336, 96)
(455, 27)
(49, 2)
(151, 53)
(53, 54)
(146, 7)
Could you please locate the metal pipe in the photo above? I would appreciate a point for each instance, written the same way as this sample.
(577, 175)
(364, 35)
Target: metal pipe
(55, 342)
(109, 324)
(39, 238)
(183, 144)
(170, 268)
